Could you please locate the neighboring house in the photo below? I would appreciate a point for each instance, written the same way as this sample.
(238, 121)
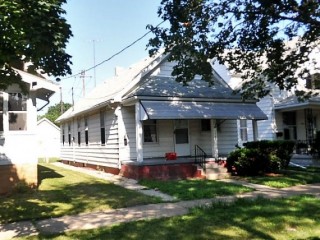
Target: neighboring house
(288, 118)
(18, 130)
(48, 139)
(129, 123)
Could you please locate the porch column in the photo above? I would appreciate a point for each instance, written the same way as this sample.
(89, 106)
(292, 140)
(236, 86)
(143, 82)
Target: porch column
(139, 132)
(214, 138)
(255, 130)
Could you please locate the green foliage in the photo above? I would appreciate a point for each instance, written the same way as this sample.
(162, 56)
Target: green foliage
(36, 32)
(260, 157)
(55, 111)
(247, 36)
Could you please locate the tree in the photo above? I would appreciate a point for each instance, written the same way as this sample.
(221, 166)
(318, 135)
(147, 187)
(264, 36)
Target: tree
(55, 111)
(249, 37)
(36, 32)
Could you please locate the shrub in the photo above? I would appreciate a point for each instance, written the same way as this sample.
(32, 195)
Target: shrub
(247, 161)
(316, 144)
(260, 157)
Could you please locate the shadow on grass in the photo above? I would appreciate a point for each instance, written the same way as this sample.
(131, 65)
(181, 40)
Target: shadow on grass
(63, 192)
(45, 173)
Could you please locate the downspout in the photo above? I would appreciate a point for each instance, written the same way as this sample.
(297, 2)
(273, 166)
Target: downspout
(47, 102)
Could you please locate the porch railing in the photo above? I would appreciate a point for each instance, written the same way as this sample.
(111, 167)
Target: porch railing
(200, 157)
(304, 147)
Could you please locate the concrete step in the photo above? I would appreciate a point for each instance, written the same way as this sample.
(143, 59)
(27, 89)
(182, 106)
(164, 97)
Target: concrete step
(216, 176)
(216, 170)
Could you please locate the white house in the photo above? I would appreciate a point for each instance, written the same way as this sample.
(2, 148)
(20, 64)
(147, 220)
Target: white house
(288, 118)
(18, 124)
(48, 139)
(128, 124)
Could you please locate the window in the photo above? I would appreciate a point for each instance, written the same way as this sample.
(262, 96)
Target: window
(1, 112)
(86, 133)
(150, 131)
(17, 110)
(205, 125)
(243, 130)
(69, 134)
(313, 82)
(102, 128)
(79, 132)
(63, 135)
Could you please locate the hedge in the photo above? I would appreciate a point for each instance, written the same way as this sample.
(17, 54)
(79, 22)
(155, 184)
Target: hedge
(259, 157)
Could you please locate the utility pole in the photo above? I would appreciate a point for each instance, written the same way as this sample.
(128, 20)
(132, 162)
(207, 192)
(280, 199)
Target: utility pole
(83, 76)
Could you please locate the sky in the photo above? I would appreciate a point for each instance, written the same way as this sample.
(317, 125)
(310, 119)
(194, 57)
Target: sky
(102, 28)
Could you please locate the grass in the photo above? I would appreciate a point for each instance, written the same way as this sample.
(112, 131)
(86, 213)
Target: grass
(195, 189)
(66, 192)
(288, 178)
(293, 218)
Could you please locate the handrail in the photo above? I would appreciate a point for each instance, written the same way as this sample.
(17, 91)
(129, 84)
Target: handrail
(200, 157)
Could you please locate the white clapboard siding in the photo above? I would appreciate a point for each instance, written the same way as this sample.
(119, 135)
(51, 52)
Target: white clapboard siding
(166, 68)
(165, 140)
(94, 153)
(129, 151)
(198, 137)
(265, 127)
(227, 137)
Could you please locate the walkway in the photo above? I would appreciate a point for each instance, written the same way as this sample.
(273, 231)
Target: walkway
(99, 219)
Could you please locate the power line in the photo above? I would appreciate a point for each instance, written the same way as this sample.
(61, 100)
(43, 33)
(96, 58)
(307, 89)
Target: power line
(114, 55)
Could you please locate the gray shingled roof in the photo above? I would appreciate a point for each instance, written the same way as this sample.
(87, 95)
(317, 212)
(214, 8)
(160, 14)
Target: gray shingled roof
(293, 102)
(157, 86)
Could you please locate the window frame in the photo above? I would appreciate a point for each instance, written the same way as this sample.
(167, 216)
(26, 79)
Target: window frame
(86, 131)
(153, 124)
(17, 106)
(243, 130)
(102, 128)
(79, 131)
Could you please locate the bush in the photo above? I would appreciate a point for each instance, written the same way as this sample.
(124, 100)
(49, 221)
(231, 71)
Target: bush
(247, 161)
(316, 144)
(260, 157)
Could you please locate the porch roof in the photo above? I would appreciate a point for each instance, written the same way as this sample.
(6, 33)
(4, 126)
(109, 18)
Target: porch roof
(292, 103)
(201, 110)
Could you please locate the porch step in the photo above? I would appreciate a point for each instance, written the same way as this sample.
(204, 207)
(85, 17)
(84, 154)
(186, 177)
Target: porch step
(216, 176)
(216, 170)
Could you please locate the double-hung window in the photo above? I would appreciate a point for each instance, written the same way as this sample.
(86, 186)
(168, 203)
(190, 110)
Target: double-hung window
(17, 110)
(243, 130)
(86, 131)
(79, 132)
(102, 128)
(150, 131)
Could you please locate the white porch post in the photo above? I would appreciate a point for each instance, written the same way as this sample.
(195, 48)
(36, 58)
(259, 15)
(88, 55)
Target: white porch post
(139, 132)
(214, 138)
(255, 130)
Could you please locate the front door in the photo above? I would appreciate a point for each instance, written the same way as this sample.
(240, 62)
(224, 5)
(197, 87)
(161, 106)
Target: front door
(181, 132)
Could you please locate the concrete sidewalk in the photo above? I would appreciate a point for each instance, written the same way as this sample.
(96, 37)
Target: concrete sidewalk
(150, 211)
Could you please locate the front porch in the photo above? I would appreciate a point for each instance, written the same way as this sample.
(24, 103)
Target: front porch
(161, 168)
(300, 122)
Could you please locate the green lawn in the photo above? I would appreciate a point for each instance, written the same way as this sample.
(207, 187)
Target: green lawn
(195, 189)
(65, 192)
(287, 178)
(293, 218)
